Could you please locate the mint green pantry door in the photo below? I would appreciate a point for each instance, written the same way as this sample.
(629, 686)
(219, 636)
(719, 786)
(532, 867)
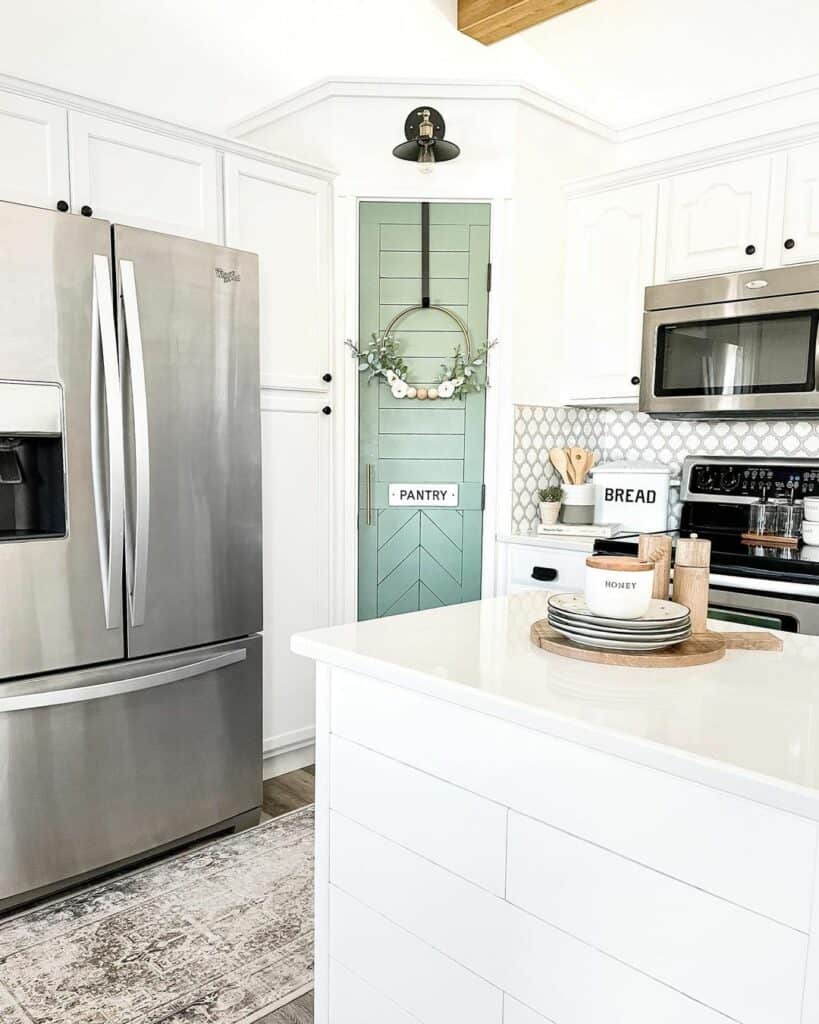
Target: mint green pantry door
(416, 557)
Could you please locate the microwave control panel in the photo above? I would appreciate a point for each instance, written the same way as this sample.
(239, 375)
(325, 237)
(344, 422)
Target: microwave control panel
(754, 481)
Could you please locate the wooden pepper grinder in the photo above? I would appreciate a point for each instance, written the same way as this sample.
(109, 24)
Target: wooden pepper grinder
(691, 579)
(656, 548)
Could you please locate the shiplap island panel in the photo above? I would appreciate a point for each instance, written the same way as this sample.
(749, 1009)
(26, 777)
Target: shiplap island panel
(644, 843)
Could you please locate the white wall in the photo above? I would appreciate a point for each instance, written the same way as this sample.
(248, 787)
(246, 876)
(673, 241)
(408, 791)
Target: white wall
(510, 151)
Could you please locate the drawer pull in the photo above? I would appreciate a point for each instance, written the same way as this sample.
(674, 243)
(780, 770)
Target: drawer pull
(544, 574)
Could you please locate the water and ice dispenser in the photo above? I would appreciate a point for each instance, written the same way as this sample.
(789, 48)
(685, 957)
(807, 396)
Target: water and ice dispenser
(32, 470)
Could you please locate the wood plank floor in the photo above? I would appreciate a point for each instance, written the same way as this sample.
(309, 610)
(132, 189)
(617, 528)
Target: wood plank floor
(281, 795)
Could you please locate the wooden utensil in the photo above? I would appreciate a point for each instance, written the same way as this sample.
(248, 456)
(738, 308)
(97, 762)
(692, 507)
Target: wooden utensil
(577, 460)
(560, 461)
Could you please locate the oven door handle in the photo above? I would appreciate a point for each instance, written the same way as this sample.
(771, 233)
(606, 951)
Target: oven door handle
(83, 694)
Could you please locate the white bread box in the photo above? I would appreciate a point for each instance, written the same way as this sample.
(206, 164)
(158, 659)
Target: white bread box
(633, 494)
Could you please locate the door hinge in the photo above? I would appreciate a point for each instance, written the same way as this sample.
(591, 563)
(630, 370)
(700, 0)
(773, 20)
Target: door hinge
(489, 277)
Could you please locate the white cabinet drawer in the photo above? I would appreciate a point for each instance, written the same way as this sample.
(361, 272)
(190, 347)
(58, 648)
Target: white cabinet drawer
(448, 825)
(557, 975)
(747, 966)
(753, 855)
(429, 986)
(569, 567)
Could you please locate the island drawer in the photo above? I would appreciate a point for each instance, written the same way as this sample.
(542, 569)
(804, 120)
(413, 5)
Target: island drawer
(756, 856)
(424, 982)
(560, 977)
(450, 826)
(532, 567)
(747, 966)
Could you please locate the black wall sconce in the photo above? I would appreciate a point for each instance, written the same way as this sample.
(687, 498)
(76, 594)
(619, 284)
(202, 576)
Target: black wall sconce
(426, 146)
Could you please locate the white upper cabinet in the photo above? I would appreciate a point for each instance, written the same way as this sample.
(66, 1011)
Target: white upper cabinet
(142, 178)
(284, 217)
(800, 235)
(714, 220)
(33, 152)
(610, 263)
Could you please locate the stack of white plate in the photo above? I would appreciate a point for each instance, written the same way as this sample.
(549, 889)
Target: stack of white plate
(665, 623)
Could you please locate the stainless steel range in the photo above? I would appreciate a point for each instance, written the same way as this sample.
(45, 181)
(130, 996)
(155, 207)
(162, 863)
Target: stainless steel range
(775, 587)
(130, 545)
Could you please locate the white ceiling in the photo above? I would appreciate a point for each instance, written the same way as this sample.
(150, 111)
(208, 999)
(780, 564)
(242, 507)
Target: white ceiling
(210, 62)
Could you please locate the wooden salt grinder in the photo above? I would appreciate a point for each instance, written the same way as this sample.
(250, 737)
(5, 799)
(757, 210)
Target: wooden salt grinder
(656, 548)
(691, 579)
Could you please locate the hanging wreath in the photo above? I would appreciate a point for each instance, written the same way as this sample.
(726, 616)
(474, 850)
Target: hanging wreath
(382, 358)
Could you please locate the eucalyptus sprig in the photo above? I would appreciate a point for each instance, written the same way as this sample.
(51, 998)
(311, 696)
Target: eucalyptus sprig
(380, 357)
(466, 371)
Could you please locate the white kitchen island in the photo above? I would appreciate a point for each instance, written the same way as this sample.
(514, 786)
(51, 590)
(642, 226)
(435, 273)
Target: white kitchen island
(509, 837)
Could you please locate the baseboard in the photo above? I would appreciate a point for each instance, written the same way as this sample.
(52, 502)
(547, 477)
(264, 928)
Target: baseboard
(288, 751)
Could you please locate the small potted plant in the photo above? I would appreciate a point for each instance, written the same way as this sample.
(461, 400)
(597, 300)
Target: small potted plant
(550, 499)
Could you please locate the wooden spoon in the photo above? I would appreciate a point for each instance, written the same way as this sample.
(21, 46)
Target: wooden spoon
(560, 461)
(577, 460)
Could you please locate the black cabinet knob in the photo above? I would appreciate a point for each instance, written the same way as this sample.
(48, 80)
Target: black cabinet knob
(750, 250)
(635, 381)
(789, 243)
(327, 377)
(544, 574)
(62, 206)
(326, 410)
(86, 211)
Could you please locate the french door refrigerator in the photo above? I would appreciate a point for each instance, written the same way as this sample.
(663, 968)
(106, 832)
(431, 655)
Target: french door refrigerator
(130, 545)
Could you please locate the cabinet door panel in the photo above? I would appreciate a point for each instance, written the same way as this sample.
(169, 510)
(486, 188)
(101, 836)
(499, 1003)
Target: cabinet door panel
(714, 220)
(34, 147)
(284, 217)
(610, 262)
(296, 518)
(802, 206)
(143, 179)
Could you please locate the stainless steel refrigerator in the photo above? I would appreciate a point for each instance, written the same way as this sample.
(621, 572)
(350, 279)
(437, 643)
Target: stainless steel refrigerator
(130, 545)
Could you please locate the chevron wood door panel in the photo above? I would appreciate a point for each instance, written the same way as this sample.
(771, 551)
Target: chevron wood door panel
(416, 558)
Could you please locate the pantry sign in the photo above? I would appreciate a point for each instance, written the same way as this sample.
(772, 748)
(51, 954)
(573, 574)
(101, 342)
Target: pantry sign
(423, 495)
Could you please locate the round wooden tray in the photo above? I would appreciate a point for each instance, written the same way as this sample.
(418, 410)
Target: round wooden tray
(700, 649)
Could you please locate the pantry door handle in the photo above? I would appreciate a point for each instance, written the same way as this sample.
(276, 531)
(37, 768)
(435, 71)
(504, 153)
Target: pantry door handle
(369, 489)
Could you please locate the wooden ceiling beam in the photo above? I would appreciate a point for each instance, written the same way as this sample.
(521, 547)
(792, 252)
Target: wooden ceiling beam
(489, 21)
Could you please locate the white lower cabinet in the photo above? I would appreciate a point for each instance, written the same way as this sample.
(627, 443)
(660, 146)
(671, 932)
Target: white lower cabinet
(296, 440)
(356, 1002)
(516, 1013)
(538, 567)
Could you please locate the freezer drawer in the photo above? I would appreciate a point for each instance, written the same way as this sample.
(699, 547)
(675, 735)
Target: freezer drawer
(106, 764)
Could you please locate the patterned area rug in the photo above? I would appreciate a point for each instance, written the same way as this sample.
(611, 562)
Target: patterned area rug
(221, 934)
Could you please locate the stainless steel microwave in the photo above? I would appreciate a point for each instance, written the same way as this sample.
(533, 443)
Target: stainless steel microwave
(741, 345)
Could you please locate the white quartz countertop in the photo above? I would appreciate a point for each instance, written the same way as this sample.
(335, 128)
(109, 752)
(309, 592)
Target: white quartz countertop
(748, 724)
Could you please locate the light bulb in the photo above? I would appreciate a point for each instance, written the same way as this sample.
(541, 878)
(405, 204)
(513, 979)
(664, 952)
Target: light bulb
(426, 160)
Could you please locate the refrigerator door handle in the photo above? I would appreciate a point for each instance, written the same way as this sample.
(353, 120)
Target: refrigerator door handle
(82, 694)
(106, 438)
(136, 533)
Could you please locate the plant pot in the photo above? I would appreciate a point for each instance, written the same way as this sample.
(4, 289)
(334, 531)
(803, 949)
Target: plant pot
(549, 511)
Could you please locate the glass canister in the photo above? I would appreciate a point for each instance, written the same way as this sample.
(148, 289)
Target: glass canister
(789, 519)
(763, 519)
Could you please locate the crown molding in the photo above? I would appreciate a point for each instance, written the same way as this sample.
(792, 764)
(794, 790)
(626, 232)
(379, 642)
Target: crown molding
(357, 87)
(759, 145)
(96, 108)
(414, 90)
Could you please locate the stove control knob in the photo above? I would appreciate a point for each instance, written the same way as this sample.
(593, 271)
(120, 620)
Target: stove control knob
(729, 481)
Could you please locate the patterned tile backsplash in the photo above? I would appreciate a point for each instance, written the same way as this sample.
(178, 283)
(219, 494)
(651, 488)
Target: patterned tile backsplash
(623, 434)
